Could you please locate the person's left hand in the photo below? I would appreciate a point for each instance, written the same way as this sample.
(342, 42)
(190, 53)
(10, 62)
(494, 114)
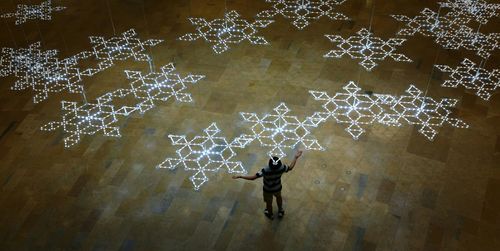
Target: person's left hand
(236, 177)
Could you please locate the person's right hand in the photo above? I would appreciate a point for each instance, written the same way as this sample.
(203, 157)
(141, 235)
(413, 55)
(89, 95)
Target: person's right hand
(298, 154)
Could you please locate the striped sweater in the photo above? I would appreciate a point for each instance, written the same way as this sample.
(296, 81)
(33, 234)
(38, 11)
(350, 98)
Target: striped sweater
(272, 178)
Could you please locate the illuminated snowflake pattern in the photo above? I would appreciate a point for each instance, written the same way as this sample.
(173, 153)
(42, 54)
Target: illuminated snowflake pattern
(357, 109)
(467, 38)
(417, 109)
(472, 77)
(103, 115)
(479, 10)
(280, 130)
(367, 47)
(229, 30)
(350, 107)
(206, 153)
(119, 48)
(25, 12)
(303, 11)
(429, 24)
(42, 71)
(449, 32)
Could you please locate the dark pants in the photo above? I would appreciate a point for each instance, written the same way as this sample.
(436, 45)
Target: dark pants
(268, 198)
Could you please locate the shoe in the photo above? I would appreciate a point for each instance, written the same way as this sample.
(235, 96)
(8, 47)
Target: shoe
(281, 213)
(268, 214)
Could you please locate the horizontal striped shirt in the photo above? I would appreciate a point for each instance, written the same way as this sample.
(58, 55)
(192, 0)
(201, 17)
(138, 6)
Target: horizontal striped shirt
(272, 178)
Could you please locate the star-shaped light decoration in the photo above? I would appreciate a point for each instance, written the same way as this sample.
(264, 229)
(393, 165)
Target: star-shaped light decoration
(417, 109)
(119, 48)
(467, 38)
(229, 30)
(205, 153)
(350, 107)
(479, 10)
(367, 47)
(429, 23)
(103, 114)
(303, 11)
(42, 71)
(41, 11)
(279, 131)
(472, 77)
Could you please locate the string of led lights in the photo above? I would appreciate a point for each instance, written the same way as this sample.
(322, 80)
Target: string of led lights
(229, 30)
(206, 153)
(44, 73)
(422, 111)
(302, 12)
(472, 77)
(280, 131)
(42, 11)
(469, 39)
(367, 47)
(119, 48)
(357, 109)
(349, 107)
(103, 115)
(449, 31)
(430, 24)
(479, 10)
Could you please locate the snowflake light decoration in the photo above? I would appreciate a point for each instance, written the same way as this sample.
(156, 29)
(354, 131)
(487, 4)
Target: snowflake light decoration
(422, 111)
(206, 153)
(350, 107)
(303, 11)
(356, 109)
(102, 115)
(230, 30)
(41, 70)
(367, 47)
(280, 130)
(25, 12)
(44, 73)
(429, 23)
(467, 38)
(449, 32)
(119, 48)
(472, 77)
(479, 10)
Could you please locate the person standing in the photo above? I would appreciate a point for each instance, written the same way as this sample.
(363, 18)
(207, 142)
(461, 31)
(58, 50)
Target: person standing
(271, 175)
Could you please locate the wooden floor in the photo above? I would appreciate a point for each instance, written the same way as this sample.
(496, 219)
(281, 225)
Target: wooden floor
(390, 190)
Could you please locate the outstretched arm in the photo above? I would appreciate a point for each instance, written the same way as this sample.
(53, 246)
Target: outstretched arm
(253, 177)
(294, 161)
